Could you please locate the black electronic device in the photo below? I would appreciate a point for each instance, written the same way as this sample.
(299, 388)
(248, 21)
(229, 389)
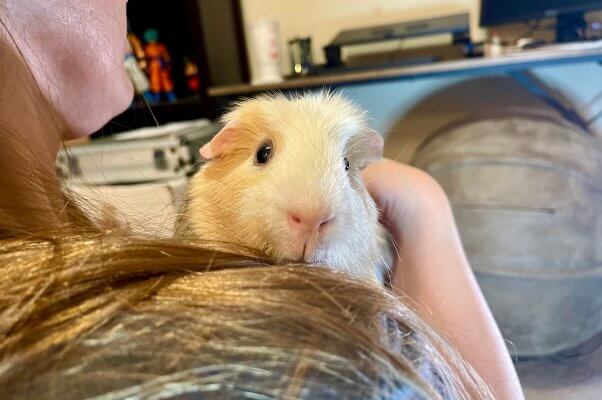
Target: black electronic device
(570, 21)
(456, 25)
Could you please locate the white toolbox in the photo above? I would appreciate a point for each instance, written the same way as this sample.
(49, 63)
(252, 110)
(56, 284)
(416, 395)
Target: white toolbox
(142, 155)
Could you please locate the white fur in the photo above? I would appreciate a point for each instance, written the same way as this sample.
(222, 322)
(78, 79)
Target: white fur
(248, 204)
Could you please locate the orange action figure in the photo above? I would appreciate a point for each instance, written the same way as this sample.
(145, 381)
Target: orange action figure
(158, 67)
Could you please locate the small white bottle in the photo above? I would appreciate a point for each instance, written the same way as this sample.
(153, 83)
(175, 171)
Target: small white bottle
(265, 52)
(495, 48)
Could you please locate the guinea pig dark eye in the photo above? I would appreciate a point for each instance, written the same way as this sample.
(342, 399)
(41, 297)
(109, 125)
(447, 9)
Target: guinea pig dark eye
(346, 163)
(264, 153)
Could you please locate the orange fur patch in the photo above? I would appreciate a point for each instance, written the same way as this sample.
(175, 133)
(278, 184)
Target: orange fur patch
(253, 131)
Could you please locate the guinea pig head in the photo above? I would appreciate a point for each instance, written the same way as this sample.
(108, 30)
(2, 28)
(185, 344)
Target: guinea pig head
(283, 176)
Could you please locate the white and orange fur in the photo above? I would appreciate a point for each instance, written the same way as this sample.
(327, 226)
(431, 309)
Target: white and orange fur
(232, 199)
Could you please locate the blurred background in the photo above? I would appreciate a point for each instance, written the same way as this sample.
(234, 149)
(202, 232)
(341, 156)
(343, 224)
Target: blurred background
(499, 100)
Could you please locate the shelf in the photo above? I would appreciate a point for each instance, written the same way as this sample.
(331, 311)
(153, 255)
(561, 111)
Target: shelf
(141, 105)
(549, 55)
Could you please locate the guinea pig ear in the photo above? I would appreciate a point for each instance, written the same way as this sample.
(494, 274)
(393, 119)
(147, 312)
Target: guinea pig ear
(370, 147)
(218, 143)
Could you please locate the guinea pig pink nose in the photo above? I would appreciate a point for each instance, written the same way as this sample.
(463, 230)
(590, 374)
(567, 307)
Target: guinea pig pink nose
(304, 222)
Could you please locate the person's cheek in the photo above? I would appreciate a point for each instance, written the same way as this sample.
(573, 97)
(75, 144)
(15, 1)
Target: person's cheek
(107, 90)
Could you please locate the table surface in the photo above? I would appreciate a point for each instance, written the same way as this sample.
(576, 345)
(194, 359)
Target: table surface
(527, 59)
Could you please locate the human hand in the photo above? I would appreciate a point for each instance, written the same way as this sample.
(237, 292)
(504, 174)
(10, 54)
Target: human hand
(433, 271)
(407, 197)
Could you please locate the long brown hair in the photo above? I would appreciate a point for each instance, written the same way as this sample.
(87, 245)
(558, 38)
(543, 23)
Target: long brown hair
(102, 313)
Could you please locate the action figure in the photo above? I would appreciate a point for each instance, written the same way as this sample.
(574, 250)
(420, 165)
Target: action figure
(158, 67)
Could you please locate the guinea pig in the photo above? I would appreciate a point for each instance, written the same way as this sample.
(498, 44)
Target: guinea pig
(283, 177)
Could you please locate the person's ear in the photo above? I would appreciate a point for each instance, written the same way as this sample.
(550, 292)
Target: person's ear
(219, 142)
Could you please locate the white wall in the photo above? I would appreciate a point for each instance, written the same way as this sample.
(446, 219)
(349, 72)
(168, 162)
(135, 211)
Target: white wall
(323, 19)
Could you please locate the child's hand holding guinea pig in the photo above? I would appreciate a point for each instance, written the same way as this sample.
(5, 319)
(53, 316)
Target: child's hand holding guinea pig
(433, 270)
(283, 177)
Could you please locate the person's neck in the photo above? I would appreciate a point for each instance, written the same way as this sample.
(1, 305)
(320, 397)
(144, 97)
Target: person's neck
(30, 136)
(24, 110)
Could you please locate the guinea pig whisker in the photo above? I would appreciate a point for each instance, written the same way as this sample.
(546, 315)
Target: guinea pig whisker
(396, 248)
(258, 200)
(409, 141)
